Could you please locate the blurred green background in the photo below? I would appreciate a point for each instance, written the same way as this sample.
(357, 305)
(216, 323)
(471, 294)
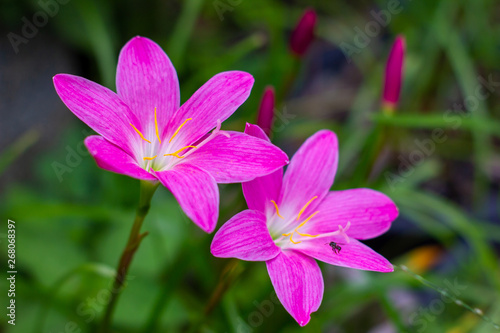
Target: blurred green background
(72, 219)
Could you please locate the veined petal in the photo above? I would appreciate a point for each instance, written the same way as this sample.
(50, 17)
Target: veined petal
(112, 158)
(145, 80)
(369, 212)
(353, 254)
(298, 283)
(260, 191)
(237, 157)
(100, 108)
(196, 191)
(215, 100)
(310, 173)
(245, 236)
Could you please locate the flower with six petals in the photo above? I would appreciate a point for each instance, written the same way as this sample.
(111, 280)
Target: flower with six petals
(146, 134)
(293, 219)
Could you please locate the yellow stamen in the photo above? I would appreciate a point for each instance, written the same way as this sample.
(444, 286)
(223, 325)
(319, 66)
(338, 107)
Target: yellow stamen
(277, 210)
(139, 132)
(176, 154)
(178, 129)
(304, 208)
(307, 235)
(156, 126)
(291, 235)
(150, 158)
(291, 240)
(300, 226)
(310, 217)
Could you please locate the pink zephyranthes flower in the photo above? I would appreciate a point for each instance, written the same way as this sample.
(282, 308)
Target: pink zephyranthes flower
(146, 134)
(394, 74)
(294, 219)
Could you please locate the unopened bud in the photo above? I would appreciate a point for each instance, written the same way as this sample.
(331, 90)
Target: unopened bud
(303, 34)
(265, 115)
(394, 74)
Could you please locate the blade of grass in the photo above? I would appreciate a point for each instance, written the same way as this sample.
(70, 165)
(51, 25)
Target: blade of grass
(453, 217)
(456, 52)
(437, 120)
(100, 39)
(18, 148)
(182, 31)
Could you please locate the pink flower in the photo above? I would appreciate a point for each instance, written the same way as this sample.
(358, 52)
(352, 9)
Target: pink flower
(394, 74)
(266, 110)
(294, 219)
(144, 133)
(303, 34)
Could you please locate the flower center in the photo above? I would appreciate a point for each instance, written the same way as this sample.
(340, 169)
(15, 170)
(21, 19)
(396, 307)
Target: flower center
(281, 240)
(178, 153)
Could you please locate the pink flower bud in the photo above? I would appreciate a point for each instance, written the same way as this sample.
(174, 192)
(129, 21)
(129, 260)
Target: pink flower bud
(303, 34)
(266, 110)
(393, 74)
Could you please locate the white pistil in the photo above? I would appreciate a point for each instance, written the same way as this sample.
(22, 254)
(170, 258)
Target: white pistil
(340, 231)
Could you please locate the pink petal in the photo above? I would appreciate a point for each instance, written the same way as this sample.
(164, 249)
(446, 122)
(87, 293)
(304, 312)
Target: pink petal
(310, 173)
(369, 212)
(146, 79)
(237, 158)
(394, 73)
(260, 191)
(353, 254)
(298, 283)
(110, 157)
(245, 236)
(196, 191)
(98, 107)
(215, 100)
(256, 131)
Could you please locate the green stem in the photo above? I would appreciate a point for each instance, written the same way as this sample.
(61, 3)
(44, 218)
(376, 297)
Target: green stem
(229, 274)
(172, 276)
(134, 240)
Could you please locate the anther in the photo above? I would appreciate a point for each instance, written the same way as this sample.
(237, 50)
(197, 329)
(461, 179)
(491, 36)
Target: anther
(139, 132)
(277, 209)
(179, 128)
(304, 208)
(156, 127)
(176, 154)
